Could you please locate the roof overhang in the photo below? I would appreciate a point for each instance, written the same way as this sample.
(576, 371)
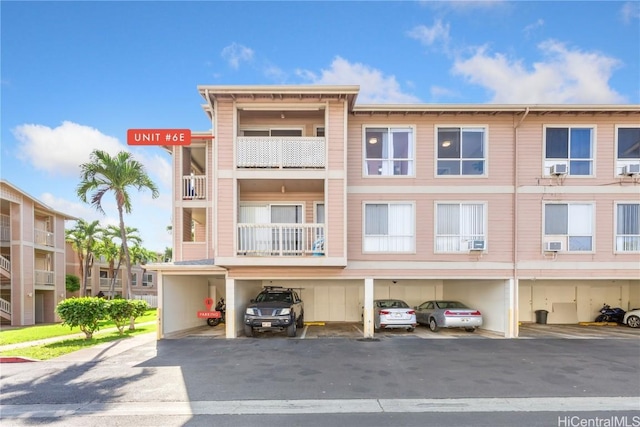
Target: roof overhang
(492, 109)
(315, 93)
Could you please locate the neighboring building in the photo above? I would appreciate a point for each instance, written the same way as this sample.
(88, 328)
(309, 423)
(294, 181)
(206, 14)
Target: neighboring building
(32, 258)
(101, 276)
(509, 208)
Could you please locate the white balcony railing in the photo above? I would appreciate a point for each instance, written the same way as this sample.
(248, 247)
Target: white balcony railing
(281, 240)
(5, 263)
(43, 237)
(45, 278)
(194, 187)
(280, 152)
(105, 283)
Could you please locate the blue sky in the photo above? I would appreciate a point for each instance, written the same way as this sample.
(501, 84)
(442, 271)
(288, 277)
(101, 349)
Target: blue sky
(76, 75)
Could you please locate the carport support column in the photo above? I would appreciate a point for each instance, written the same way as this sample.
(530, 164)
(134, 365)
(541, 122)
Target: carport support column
(511, 330)
(232, 310)
(368, 308)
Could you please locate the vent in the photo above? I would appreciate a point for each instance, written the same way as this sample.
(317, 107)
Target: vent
(553, 246)
(477, 245)
(559, 169)
(631, 170)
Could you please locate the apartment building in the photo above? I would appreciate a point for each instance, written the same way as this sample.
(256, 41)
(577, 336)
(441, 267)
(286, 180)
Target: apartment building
(32, 258)
(105, 278)
(509, 208)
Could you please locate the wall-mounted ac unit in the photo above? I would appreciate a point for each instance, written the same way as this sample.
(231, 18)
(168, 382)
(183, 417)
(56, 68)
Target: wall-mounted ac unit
(553, 246)
(477, 245)
(631, 170)
(559, 169)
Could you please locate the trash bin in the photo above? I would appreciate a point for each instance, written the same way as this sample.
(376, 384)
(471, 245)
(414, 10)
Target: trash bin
(541, 316)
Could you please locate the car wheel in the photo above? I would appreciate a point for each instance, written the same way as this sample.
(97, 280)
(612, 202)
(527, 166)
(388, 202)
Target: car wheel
(433, 325)
(301, 321)
(601, 318)
(633, 321)
(292, 329)
(248, 331)
(470, 329)
(411, 329)
(213, 321)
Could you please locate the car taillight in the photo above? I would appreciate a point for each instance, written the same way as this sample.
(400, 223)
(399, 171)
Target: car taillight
(385, 312)
(411, 312)
(475, 313)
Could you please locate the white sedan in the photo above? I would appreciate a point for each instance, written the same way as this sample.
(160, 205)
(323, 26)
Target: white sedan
(393, 314)
(632, 318)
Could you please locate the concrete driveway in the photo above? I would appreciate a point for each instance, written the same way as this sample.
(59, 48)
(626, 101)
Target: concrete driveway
(354, 330)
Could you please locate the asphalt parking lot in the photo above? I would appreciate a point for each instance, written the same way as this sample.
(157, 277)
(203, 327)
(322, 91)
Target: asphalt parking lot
(318, 330)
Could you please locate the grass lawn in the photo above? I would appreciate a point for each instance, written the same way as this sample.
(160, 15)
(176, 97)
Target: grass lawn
(32, 333)
(60, 348)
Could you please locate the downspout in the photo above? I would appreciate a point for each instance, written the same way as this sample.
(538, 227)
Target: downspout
(516, 185)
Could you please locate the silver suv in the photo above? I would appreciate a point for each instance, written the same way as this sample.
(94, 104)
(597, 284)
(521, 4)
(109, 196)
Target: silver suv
(274, 309)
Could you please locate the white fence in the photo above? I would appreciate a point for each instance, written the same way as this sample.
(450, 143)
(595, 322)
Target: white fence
(152, 300)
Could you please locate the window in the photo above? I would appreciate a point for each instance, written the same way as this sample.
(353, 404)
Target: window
(389, 227)
(628, 227)
(572, 146)
(458, 225)
(570, 223)
(147, 279)
(628, 147)
(461, 151)
(388, 151)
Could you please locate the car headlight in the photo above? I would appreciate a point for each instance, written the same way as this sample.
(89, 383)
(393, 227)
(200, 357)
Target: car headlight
(285, 311)
(250, 311)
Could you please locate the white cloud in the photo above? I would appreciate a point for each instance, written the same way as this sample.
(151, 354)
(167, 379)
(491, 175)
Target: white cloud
(375, 87)
(532, 27)
(630, 11)
(565, 76)
(430, 35)
(235, 53)
(61, 150)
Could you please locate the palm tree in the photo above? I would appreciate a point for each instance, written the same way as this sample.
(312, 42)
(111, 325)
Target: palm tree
(84, 238)
(117, 174)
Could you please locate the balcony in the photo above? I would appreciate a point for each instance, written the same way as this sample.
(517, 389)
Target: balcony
(280, 152)
(43, 237)
(194, 187)
(44, 278)
(281, 240)
(105, 284)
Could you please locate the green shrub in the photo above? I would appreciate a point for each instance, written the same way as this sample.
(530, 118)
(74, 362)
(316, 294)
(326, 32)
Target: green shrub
(72, 283)
(120, 311)
(139, 309)
(84, 313)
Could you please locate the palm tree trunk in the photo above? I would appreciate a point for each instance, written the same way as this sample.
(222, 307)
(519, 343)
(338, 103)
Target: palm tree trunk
(126, 287)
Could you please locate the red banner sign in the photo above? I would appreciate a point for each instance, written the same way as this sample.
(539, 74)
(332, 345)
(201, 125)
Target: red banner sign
(158, 137)
(209, 315)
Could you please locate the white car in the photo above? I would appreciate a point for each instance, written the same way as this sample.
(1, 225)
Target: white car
(393, 314)
(632, 318)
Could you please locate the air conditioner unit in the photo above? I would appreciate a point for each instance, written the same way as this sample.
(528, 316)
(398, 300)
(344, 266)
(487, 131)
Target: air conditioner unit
(477, 245)
(630, 170)
(553, 246)
(559, 169)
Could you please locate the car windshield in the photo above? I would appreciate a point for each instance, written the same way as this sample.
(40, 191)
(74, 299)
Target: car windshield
(392, 304)
(450, 304)
(274, 296)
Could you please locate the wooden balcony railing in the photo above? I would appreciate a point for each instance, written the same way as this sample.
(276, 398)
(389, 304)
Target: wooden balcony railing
(280, 152)
(281, 240)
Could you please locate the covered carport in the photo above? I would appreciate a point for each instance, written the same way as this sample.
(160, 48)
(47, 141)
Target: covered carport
(568, 301)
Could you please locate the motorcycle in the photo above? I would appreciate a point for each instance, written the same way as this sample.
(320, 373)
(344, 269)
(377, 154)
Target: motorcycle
(608, 314)
(221, 308)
